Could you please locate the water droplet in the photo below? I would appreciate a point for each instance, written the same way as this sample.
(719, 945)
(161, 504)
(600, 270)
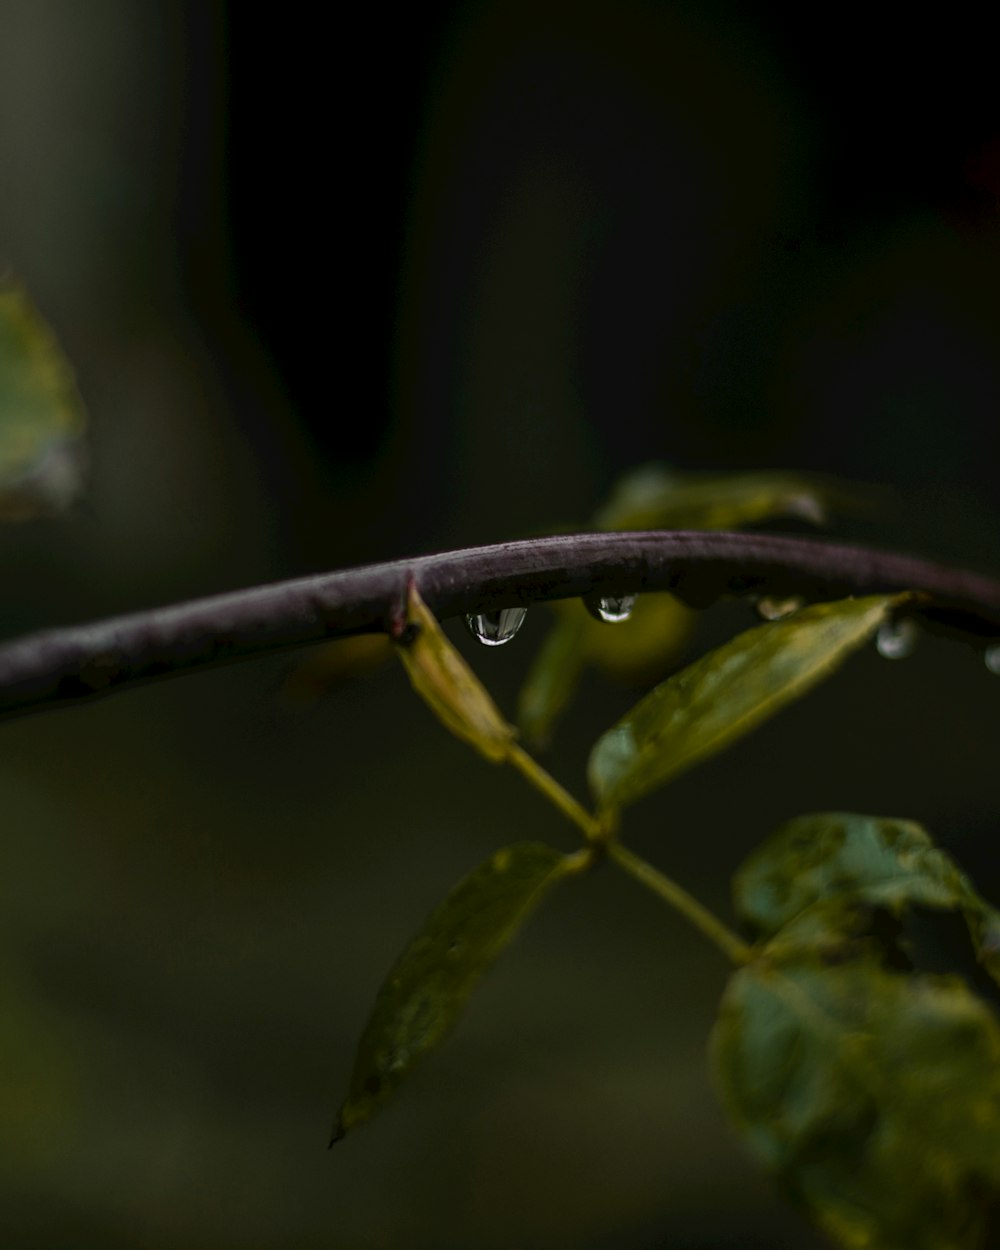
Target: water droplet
(992, 658)
(612, 609)
(493, 629)
(774, 608)
(896, 640)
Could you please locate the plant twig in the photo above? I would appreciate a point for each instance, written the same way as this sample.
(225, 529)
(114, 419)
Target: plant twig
(706, 922)
(554, 792)
(86, 661)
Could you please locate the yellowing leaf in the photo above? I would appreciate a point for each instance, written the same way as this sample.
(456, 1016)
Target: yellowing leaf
(725, 694)
(425, 991)
(450, 688)
(41, 416)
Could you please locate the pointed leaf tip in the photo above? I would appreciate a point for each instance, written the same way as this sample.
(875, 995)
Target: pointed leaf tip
(425, 991)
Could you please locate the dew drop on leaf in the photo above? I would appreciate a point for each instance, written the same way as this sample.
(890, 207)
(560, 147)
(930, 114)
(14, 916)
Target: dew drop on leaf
(612, 609)
(493, 629)
(896, 640)
(776, 608)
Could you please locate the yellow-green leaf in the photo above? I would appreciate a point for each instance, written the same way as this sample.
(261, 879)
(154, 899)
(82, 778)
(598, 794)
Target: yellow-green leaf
(642, 649)
(875, 1097)
(658, 497)
(41, 415)
(450, 688)
(425, 991)
(725, 694)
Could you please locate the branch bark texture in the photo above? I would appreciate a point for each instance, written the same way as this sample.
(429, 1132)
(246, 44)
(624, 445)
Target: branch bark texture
(86, 661)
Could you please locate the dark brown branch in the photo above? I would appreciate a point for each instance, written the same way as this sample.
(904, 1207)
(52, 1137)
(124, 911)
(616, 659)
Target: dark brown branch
(90, 660)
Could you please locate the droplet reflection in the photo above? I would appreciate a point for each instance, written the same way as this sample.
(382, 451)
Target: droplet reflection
(773, 608)
(493, 629)
(896, 640)
(613, 609)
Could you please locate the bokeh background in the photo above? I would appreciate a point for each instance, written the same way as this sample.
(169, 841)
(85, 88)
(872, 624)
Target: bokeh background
(349, 284)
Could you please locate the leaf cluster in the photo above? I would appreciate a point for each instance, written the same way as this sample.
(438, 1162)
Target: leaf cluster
(871, 1088)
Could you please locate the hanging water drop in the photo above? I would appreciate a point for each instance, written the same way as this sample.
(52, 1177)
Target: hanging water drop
(493, 629)
(775, 608)
(613, 609)
(896, 640)
(992, 658)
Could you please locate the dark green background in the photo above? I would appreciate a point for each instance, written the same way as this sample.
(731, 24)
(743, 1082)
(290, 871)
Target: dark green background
(342, 285)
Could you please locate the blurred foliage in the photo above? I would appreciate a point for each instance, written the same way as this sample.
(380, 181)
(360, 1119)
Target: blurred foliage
(870, 1086)
(41, 414)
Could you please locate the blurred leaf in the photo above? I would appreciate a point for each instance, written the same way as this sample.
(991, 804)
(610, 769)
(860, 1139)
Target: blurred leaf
(875, 1097)
(39, 1084)
(888, 863)
(553, 676)
(877, 861)
(658, 497)
(331, 663)
(637, 650)
(41, 415)
(446, 683)
(726, 693)
(425, 991)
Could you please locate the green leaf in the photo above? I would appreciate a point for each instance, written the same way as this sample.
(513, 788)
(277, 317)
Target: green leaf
(887, 863)
(41, 415)
(425, 991)
(875, 1097)
(658, 497)
(641, 650)
(449, 687)
(725, 694)
(637, 650)
(876, 861)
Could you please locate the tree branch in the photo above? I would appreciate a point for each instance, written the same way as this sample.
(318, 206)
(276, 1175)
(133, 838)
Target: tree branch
(87, 661)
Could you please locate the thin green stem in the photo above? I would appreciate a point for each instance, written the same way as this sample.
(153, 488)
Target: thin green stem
(706, 922)
(554, 792)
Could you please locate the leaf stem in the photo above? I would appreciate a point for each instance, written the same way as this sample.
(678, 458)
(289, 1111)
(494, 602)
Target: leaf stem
(706, 922)
(554, 792)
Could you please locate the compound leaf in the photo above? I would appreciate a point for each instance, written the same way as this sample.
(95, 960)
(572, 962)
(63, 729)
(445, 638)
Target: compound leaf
(41, 415)
(425, 991)
(726, 693)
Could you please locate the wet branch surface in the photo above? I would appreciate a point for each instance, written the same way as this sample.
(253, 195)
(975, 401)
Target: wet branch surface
(86, 661)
